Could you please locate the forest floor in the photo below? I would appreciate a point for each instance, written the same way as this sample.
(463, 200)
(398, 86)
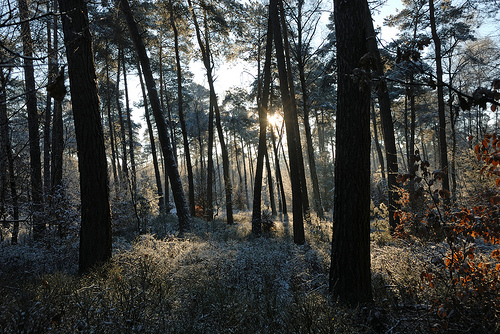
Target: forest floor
(220, 279)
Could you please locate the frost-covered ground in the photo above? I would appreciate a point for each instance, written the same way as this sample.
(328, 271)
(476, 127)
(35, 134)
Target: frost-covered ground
(216, 279)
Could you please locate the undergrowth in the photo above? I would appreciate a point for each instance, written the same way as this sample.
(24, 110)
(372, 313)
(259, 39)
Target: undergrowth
(220, 279)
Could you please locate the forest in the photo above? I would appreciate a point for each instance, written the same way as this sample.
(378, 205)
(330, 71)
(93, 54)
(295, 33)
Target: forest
(249, 166)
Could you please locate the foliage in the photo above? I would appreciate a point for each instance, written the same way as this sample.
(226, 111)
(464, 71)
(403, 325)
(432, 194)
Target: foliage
(464, 280)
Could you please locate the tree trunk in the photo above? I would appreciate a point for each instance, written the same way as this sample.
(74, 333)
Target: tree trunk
(131, 143)
(294, 115)
(187, 155)
(111, 124)
(206, 57)
(159, 190)
(387, 124)
(170, 164)
(318, 206)
(262, 105)
(210, 165)
(52, 72)
(270, 185)
(34, 136)
(377, 143)
(443, 147)
(291, 130)
(123, 139)
(95, 232)
(350, 277)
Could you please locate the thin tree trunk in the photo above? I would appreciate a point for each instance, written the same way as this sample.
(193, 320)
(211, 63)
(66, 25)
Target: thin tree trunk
(130, 141)
(52, 72)
(206, 56)
(247, 197)
(187, 155)
(291, 131)
(318, 206)
(33, 133)
(210, 165)
(262, 104)
(171, 166)
(159, 190)
(123, 139)
(377, 143)
(270, 184)
(443, 147)
(387, 124)
(95, 232)
(111, 123)
(294, 115)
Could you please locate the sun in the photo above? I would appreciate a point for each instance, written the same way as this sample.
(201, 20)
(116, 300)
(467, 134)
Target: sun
(274, 119)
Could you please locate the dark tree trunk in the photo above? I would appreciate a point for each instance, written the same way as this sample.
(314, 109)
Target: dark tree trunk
(291, 130)
(270, 185)
(34, 136)
(443, 147)
(170, 164)
(387, 124)
(111, 125)
(377, 143)
(159, 189)
(187, 155)
(294, 115)
(52, 72)
(279, 179)
(318, 207)
(95, 232)
(210, 165)
(262, 104)
(131, 143)
(7, 157)
(350, 277)
(247, 197)
(123, 139)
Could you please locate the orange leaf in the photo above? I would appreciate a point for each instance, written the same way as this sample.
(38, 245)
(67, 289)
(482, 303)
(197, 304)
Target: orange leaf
(471, 137)
(485, 142)
(493, 107)
(498, 182)
(496, 254)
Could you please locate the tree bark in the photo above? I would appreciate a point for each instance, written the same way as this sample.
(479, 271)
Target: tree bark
(377, 143)
(180, 105)
(33, 133)
(387, 124)
(294, 115)
(443, 147)
(291, 131)
(318, 206)
(350, 277)
(170, 163)
(262, 105)
(95, 232)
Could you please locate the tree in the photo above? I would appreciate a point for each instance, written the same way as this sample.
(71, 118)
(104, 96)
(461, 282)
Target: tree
(443, 147)
(34, 136)
(206, 56)
(262, 105)
(95, 231)
(181, 110)
(293, 140)
(170, 163)
(350, 277)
